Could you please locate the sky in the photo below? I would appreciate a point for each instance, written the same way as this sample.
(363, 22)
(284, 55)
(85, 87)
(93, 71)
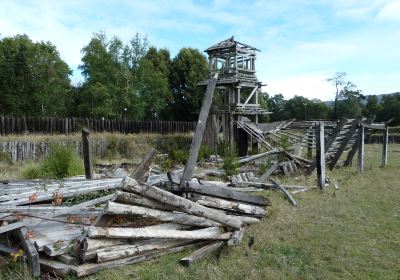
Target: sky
(302, 43)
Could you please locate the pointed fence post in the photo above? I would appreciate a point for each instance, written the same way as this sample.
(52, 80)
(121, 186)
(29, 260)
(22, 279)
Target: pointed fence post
(360, 158)
(87, 154)
(385, 146)
(320, 154)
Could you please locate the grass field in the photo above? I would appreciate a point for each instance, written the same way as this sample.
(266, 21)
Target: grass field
(351, 233)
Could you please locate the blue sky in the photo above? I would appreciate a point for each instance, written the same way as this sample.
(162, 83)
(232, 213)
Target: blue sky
(302, 42)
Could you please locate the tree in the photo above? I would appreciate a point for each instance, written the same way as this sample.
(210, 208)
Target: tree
(34, 80)
(338, 80)
(187, 69)
(372, 107)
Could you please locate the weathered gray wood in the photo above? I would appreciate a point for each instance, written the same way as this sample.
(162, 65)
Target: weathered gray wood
(57, 267)
(201, 125)
(320, 154)
(143, 168)
(212, 233)
(224, 192)
(125, 251)
(90, 268)
(385, 146)
(344, 142)
(181, 203)
(90, 244)
(83, 205)
(12, 226)
(285, 191)
(338, 128)
(87, 154)
(201, 253)
(135, 199)
(31, 253)
(360, 158)
(259, 156)
(228, 205)
(268, 173)
(67, 259)
(236, 237)
(165, 216)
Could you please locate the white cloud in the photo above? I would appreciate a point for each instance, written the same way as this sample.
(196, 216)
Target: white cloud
(390, 11)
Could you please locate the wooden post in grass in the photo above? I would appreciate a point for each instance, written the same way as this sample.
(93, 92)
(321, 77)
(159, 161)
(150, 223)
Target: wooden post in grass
(320, 154)
(87, 154)
(385, 146)
(360, 159)
(201, 125)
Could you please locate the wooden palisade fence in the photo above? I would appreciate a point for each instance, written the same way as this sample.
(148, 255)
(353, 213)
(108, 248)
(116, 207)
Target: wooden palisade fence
(50, 125)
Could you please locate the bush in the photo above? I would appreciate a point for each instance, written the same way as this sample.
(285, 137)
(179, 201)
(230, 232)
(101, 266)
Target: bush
(230, 164)
(205, 152)
(61, 162)
(5, 157)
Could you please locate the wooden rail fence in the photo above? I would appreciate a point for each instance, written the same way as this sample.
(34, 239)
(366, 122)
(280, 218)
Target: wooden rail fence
(50, 125)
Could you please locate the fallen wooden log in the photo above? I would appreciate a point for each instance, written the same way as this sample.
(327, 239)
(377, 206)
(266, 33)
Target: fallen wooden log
(228, 205)
(269, 172)
(132, 198)
(256, 157)
(165, 216)
(124, 251)
(201, 253)
(183, 204)
(285, 191)
(141, 172)
(223, 192)
(236, 237)
(212, 233)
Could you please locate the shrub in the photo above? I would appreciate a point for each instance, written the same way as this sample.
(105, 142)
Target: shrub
(61, 162)
(205, 152)
(5, 157)
(230, 164)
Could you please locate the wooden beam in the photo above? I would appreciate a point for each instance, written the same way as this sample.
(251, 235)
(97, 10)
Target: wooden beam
(31, 253)
(251, 94)
(320, 154)
(143, 168)
(385, 146)
(285, 191)
(12, 226)
(212, 233)
(344, 142)
(87, 154)
(360, 158)
(201, 125)
(201, 253)
(181, 203)
(269, 172)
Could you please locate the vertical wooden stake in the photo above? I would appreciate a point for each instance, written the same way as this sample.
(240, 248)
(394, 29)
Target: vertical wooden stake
(360, 159)
(87, 154)
(320, 150)
(385, 146)
(198, 135)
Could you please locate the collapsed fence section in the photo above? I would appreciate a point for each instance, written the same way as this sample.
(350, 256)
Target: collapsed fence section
(50, 125)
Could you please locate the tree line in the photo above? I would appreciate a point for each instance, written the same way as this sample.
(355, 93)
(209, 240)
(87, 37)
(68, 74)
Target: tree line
(141, 82)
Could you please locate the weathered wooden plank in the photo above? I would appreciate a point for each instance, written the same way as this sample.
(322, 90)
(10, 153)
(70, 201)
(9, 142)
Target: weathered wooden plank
(12, 226)
(201, 125)
(224, 192)
(143, 168)
(344, 142)
(165, 216)
(212, 233)
(201, 253)
(320, 154)
(269, 172)
(360, 158)
(385, 146)
(181, 203)
(83, 205)
(135, 199)
(31, 253)
(87, 154)
(284, 190)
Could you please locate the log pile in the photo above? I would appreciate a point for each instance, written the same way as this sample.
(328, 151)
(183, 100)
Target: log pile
(136, 223)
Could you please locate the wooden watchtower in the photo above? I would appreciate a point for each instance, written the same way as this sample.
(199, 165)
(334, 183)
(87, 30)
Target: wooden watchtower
(239, 88)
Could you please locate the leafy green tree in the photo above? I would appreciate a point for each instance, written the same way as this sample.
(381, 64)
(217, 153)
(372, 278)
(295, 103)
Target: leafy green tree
(338, 80)
(187, 69)
(390, 108)
(350, 101)
(34, 80)
(372, 107)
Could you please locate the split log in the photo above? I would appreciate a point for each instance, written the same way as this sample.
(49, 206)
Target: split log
(269, 172)
(175, 217)
(201, 253)
(132, 198)
(236, 237)
(181, 203)
(143, 168)
(124, 251)
(228, 205)
(212, 233)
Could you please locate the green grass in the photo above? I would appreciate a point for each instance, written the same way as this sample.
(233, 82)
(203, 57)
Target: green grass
(351, 233)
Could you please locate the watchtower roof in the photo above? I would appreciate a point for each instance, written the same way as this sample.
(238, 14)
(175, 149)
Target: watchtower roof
(231, 43)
